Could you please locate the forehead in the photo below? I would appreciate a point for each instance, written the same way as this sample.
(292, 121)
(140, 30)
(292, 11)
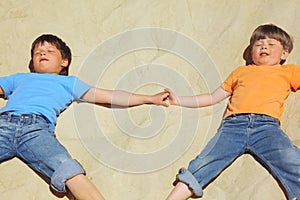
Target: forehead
(44, 44)
(267, 39)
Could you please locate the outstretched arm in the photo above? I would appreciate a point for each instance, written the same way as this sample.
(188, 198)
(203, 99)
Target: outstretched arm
(123, 98)
(200, 100)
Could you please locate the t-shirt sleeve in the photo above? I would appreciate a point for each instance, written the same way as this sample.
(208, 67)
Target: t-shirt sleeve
(230, 82)
(7, 85)
(295, 79)
(79, 89)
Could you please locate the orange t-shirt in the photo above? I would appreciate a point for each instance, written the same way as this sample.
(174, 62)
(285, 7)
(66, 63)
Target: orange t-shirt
(261, 89)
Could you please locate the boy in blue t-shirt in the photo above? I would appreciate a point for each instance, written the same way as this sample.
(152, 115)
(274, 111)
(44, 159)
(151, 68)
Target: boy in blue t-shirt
(36, 99)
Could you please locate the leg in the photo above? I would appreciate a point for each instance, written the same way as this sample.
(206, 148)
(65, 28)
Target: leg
(221, 151)
(276, 152)
(7, 132)
(180, 192)
(82, 189)
(39, 149)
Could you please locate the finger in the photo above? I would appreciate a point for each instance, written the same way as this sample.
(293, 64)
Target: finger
(167, 90)
(166, 104)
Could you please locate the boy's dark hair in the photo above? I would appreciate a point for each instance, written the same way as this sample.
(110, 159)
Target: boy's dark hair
(271, 31)
(59, 44)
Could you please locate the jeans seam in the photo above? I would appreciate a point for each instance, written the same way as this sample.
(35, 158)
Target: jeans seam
(273, 172)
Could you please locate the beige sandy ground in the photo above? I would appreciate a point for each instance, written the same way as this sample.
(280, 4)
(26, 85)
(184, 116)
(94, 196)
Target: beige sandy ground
(221, 28)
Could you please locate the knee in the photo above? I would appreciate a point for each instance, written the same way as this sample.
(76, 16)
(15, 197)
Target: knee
(65, 171)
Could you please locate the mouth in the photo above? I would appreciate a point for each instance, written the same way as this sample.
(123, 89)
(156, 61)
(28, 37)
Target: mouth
(43, 59)
(263, 54)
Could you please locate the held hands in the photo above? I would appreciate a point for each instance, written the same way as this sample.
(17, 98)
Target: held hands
(161, 99)
(166, 98)
(172, 97)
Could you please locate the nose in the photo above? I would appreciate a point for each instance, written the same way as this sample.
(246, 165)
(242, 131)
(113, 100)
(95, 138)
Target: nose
(43, 53)
(263, 46)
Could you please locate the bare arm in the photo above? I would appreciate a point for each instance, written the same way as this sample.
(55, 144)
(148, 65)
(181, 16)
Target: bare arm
(200, 100)
(123, 98)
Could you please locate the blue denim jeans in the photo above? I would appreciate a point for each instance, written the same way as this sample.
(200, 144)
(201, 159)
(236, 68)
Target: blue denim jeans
(31, 139)
(257, 135)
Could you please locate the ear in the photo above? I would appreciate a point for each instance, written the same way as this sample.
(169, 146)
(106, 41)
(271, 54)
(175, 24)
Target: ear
(285, 54)
(64, 63)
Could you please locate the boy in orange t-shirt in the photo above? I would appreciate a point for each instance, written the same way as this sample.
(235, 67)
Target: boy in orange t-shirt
(252, 120)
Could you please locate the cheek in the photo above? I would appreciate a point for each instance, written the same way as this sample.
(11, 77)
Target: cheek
(254, 54)
(34, 61)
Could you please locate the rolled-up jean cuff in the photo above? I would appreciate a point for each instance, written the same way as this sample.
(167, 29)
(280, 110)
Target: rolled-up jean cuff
(187, 177)
(65, 171)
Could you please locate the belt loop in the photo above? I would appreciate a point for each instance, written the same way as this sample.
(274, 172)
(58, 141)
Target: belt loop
(251, 117)
(9, 116)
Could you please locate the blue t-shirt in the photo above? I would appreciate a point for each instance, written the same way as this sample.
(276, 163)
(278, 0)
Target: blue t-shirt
(43, 94)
